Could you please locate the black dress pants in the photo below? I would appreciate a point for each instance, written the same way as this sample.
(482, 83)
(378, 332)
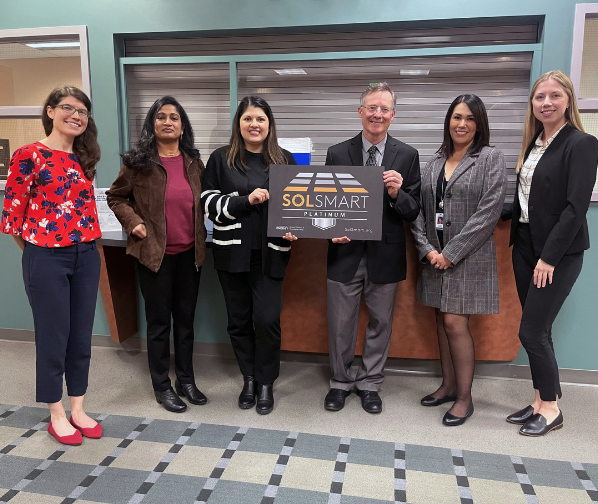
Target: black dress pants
(540, 308)
(253, 303)
(171, 293)
(62, 287)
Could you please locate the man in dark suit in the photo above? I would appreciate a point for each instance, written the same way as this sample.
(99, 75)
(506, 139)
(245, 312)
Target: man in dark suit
(370, 267)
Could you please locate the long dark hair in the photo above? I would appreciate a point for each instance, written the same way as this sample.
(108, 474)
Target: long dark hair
(139, 157)
(85, 145)
(271, 150)
(482, 136)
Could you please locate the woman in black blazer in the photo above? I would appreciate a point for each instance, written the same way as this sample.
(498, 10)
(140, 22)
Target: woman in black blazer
(251, 266)
(556, 172)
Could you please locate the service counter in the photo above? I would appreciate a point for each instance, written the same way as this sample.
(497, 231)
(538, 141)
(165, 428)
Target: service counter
(303, 319)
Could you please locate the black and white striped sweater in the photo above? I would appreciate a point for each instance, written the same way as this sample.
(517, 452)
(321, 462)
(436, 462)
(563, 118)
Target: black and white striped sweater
(224, 200)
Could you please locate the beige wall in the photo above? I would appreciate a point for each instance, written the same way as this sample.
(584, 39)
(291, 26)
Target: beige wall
(29, 81)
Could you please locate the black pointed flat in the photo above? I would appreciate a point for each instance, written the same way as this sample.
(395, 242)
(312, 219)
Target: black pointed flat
(451, 420)
(430, 400)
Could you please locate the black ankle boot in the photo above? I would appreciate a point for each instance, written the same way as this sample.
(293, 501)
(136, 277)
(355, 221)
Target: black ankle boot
(170, 401)
(247, 395)
(265, 399)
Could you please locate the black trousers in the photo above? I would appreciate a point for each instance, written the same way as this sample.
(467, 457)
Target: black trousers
(540, 308)
(253, 303)
(171, 293)
(62, 287)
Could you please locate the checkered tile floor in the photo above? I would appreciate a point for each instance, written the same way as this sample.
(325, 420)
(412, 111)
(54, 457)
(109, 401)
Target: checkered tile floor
(172, 462)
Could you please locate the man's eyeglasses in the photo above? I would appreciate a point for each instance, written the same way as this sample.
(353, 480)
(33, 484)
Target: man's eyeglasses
(372, 109)
(70, 110)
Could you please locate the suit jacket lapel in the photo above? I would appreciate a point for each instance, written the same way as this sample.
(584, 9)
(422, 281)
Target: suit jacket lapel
(390, 153)
(465, 164)
(356, 151)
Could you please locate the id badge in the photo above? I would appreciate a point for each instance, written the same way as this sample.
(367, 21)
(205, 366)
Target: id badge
(439, 221)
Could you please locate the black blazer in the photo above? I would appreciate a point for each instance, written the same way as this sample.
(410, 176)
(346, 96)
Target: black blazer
(560, 195)
(387, 261)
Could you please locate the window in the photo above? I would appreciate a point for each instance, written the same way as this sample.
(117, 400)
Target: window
(32, 63)
(584, 68)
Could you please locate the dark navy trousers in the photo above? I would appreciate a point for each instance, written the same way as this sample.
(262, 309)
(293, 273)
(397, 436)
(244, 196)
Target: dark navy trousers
(62, 287)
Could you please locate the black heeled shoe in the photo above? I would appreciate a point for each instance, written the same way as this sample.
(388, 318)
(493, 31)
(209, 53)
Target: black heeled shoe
(170, 401)
(537, 426)
(247, 395)
(265, 399)
(451, 420)
(521, 416)
(430, 400)
(191, 392)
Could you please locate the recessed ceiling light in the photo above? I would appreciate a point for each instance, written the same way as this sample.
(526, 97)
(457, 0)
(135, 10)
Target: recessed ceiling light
(39, 45)
(414, 72)
(291, 71)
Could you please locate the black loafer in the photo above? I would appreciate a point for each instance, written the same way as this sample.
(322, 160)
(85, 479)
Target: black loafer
(335, 399)
(191, 392)
(265, 399)
(536, 426)
(170, 401)
(521, 416)
(430, 400)
(247, 395)
(451, 420)
(370, 401)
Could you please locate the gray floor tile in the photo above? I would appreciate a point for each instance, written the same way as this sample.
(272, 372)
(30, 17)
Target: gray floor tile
(263, 441)
(489, 466)
(14, 469)
(552, 473)
(118, 426)
(428, 459)
(4, 407)
(236, 492)
(348, 499)
(174, 488)
(163, 431)
(115, 486)
(296, 496)
(375, 453)
(213, 436)
(592, 470)
(316, 446)
(60, 479)
(26, 418)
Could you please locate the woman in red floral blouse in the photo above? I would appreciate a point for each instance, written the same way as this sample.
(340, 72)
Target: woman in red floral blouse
(50, 210)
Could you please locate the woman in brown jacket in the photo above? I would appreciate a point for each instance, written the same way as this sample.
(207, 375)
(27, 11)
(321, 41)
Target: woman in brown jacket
(156, 197)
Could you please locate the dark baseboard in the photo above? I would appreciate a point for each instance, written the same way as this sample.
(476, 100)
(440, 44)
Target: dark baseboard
(484, 369)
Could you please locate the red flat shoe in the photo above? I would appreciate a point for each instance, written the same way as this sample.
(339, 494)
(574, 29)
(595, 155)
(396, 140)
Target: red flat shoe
(74, 439)
(89, 432)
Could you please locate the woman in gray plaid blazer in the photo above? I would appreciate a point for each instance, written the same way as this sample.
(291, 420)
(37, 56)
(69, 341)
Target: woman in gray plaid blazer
(463, 190)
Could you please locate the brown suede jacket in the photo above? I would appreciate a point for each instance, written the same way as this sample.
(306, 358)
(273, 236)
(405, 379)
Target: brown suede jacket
(138, 198)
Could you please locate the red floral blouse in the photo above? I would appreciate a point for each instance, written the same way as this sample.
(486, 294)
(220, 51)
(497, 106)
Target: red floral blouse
(48, 200)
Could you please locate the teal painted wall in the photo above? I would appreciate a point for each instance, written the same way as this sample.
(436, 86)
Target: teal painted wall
(575, 334)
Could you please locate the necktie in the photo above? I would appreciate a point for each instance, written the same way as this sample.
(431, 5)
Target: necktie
(371, 161)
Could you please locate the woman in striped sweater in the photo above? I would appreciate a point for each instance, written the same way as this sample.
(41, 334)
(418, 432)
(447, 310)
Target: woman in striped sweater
(251, 267)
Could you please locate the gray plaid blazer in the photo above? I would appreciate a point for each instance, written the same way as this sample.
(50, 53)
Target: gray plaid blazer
(473, 201)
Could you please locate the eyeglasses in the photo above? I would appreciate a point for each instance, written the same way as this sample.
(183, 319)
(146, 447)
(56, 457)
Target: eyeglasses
(70, 110)
(372, 109)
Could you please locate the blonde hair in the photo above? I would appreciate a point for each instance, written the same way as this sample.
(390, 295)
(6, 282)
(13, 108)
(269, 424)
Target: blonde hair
(533, 126)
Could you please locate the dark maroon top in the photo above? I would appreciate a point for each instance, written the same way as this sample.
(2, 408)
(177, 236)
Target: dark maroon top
(178, 207)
